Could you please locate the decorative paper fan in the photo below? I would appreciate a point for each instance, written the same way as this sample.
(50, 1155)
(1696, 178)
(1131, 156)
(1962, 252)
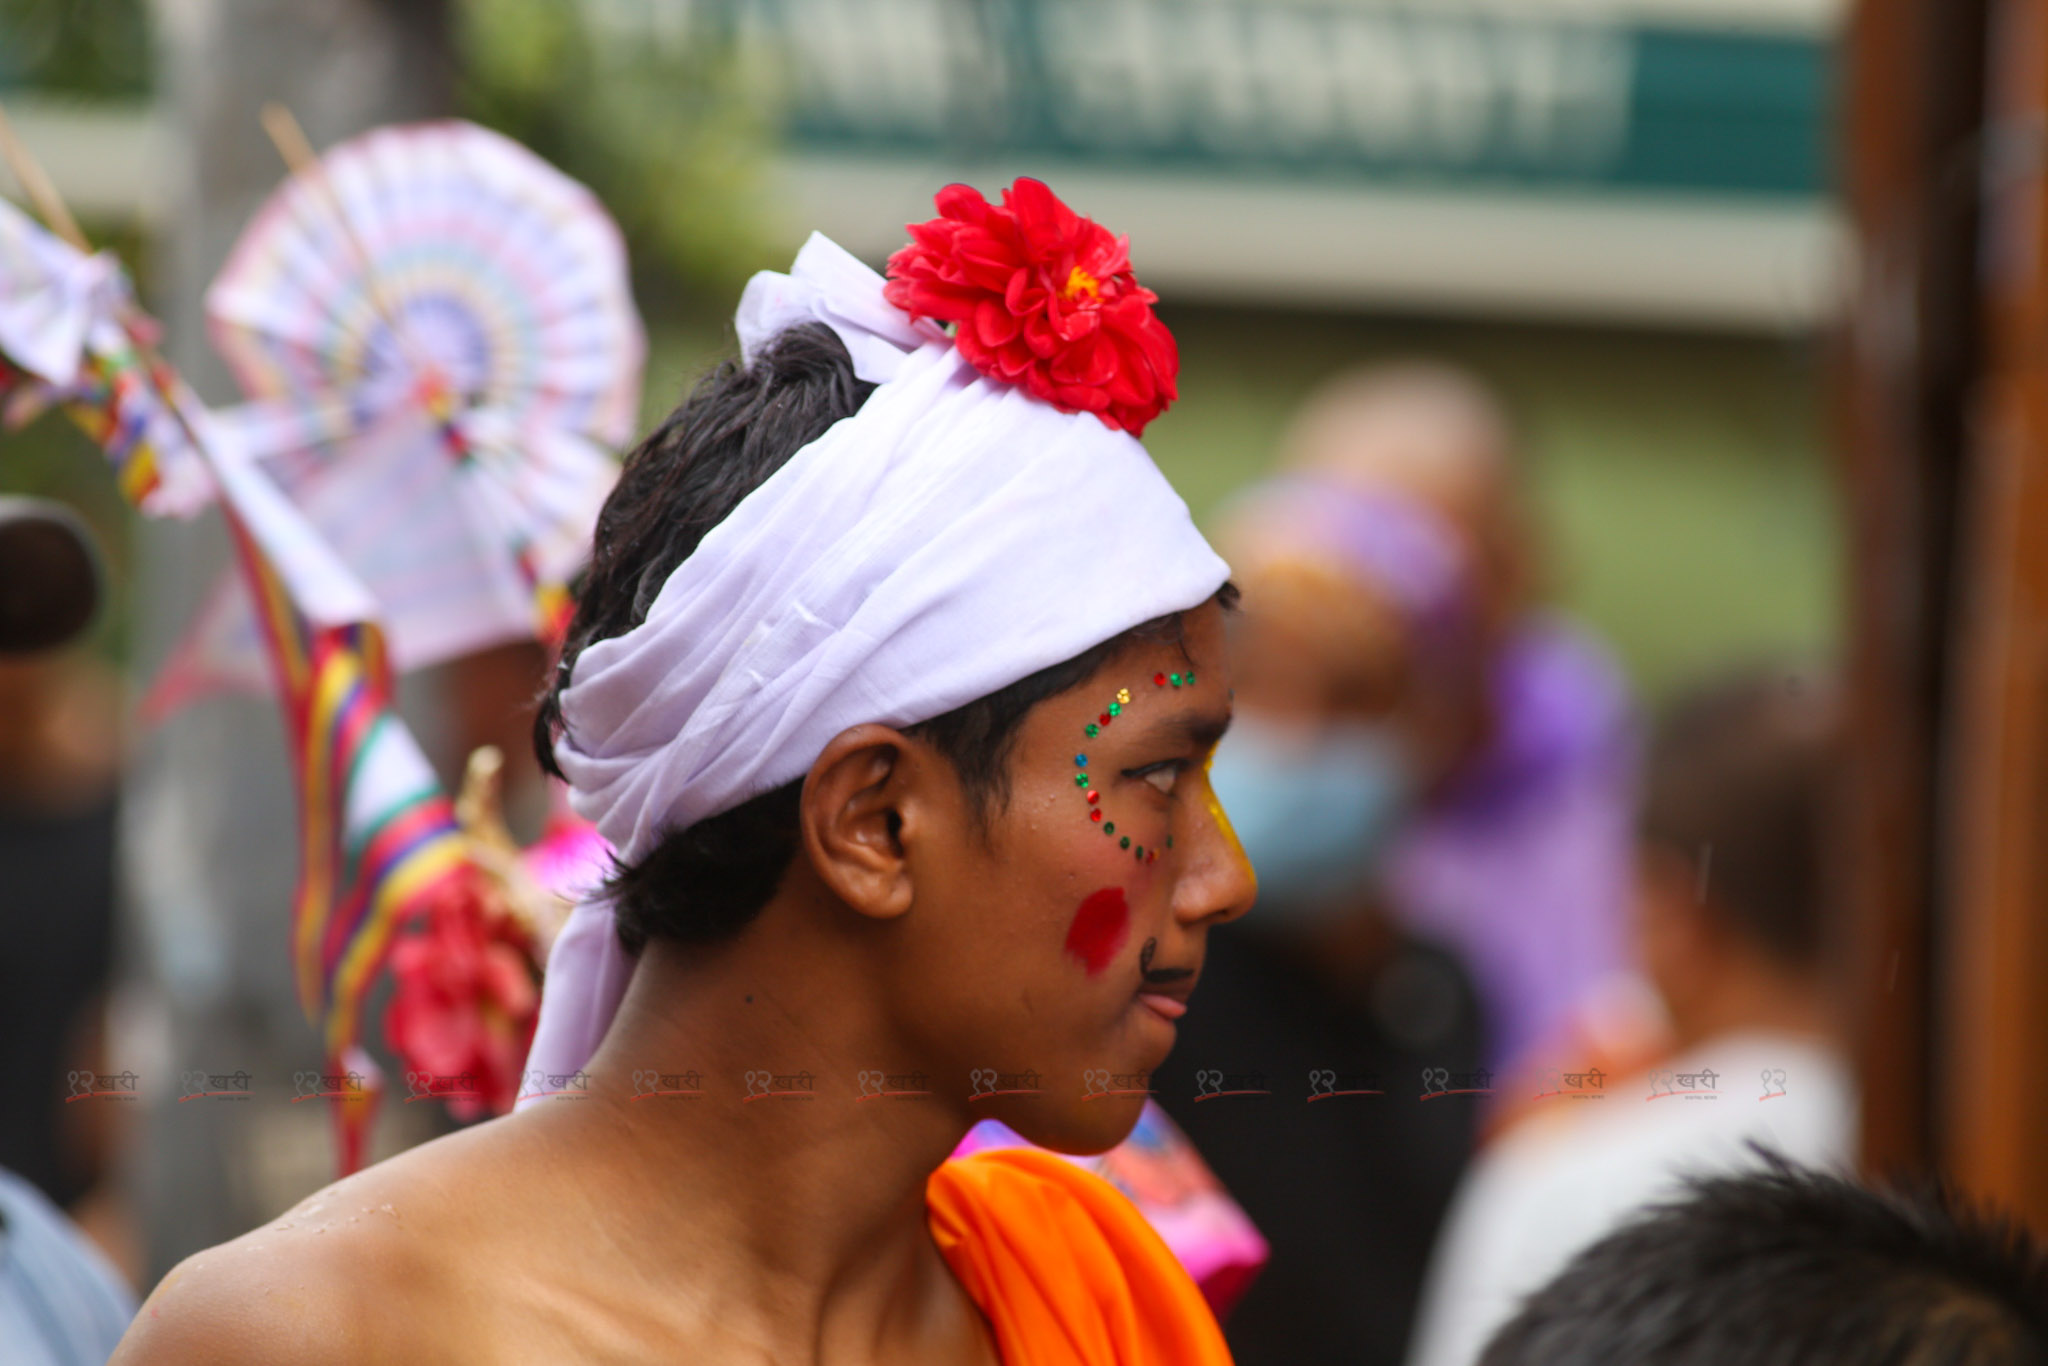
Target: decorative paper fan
(437, 335)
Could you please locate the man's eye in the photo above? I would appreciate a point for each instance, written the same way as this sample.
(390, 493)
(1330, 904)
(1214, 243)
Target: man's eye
(1162, 776)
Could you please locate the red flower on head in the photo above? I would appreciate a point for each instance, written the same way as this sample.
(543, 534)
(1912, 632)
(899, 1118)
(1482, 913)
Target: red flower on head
(1041, 297)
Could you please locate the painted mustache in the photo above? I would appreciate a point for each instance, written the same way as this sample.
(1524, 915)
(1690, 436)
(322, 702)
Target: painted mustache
(1159, 976)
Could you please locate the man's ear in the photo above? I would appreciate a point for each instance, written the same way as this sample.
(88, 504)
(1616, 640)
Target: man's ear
(871, 796)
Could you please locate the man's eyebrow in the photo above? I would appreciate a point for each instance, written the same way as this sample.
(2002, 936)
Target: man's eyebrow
(1198, 729)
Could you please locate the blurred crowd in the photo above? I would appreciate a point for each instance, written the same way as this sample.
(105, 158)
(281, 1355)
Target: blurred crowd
(1591, 941)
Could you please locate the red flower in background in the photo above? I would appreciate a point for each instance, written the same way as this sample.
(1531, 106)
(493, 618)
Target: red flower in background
(465, 1001)
(1041, 297)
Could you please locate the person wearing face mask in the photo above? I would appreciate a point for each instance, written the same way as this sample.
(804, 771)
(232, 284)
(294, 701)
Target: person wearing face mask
(1402, 520)
(1434, 782)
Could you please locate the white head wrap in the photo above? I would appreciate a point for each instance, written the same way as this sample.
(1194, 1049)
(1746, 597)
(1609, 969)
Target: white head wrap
(953, 536)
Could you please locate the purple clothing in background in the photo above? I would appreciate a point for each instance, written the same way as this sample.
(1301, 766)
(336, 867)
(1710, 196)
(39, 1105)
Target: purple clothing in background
(1523, 865)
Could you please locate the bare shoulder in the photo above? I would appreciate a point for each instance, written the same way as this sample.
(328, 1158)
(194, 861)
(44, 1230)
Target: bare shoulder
(357, 1271)
(268, 1296)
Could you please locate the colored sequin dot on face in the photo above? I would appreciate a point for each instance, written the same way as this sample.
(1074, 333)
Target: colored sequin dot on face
(1080, 761)
(1116, 708)
(1151, 856)
(1110, 828)
(1158, 680)
(1123, 695)
(1125, 842)
(1103, 719)
(1174, 679)
(1092, 729)
(1139, 852)
(1096, 814)
(1080, 780)
(1093, 796)
(1169, 841)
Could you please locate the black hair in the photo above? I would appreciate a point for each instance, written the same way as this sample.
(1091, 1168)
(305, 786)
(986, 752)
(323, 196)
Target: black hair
(1791, 1267)
(1740, 782)
(742, 423)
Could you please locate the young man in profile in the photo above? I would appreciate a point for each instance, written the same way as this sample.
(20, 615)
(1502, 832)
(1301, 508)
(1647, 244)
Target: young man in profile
(893, 684)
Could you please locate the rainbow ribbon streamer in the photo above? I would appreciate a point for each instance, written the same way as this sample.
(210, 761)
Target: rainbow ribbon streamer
(367, 855)
(117, 402)
(376, 831)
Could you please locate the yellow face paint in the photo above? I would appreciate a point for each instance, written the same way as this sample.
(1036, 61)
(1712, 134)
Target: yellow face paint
(1222, 819)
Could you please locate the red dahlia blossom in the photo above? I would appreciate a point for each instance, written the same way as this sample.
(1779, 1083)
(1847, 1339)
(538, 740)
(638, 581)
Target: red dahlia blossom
(1041, 297)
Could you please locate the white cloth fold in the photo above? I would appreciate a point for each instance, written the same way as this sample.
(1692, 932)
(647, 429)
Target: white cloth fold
(829, 285)
(953, 536)
(51, 295)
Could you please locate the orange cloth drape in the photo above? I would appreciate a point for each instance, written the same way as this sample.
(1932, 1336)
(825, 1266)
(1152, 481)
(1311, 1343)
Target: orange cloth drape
(1064, 1267)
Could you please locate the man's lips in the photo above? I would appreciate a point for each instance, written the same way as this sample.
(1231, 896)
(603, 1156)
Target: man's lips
(1166, 990)
(1167, 1007)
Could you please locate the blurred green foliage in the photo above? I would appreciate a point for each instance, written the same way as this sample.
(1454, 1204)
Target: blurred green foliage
(672, 135)
(93, 48)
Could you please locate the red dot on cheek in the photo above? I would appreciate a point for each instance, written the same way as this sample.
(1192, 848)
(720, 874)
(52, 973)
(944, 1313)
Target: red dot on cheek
(1101, 925)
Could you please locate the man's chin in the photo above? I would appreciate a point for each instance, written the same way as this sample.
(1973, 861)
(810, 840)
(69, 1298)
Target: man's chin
(1083, 1126)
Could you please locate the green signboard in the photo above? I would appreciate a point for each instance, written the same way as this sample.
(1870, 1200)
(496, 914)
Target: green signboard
(1434, 94)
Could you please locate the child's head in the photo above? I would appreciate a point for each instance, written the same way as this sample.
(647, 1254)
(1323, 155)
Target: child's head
(1786, 1267)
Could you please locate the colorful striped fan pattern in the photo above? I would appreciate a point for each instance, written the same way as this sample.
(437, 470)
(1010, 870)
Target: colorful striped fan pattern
(437, 298)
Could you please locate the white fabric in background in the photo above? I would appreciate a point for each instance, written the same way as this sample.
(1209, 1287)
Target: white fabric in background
(1555, 1184)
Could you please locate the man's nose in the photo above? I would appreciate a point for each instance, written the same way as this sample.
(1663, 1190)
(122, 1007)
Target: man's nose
(1217, 883)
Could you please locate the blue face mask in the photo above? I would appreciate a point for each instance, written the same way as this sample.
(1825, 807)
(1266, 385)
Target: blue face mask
(1314, 809)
